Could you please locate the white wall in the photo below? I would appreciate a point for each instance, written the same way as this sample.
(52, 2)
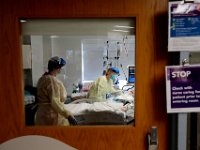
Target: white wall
(70, 49)
(37, 58)
(26, 51)
(47, 50)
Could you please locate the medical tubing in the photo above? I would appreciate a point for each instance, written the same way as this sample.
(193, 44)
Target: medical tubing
(128, 88)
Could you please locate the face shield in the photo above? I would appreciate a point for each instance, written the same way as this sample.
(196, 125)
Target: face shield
(62, 71)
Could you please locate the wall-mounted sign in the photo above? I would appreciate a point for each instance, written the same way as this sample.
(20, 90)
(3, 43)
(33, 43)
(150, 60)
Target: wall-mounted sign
(184, 26)
(183, 88)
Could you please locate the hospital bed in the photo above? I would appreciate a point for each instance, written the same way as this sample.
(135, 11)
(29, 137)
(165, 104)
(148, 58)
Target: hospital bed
(116, 110)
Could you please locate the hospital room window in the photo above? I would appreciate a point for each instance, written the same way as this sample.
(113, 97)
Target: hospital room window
(90, 47)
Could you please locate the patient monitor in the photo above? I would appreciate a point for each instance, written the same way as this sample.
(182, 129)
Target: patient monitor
(131, 74)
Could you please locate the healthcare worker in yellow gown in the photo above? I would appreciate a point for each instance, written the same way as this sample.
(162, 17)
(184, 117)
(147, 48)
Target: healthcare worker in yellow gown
(51, 95)
(104, 85)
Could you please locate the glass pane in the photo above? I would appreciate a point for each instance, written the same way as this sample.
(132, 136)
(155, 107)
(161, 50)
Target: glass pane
(93, 60)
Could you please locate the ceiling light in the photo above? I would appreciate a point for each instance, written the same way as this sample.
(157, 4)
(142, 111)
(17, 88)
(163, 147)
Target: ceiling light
(120, 30)
(128, 27)
(23, 21)
(54, 36)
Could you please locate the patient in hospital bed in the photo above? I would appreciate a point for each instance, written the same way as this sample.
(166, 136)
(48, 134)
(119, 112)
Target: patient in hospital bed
(104, 105)
(117, 109)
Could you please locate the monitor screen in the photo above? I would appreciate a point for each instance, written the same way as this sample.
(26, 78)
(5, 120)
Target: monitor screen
(131, 74)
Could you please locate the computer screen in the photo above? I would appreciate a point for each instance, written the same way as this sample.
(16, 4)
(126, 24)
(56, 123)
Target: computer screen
(131, 74)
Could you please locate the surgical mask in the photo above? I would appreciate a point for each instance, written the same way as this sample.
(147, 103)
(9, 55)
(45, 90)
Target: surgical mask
(113, 77)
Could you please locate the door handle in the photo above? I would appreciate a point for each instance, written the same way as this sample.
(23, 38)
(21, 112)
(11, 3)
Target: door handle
(153, 139)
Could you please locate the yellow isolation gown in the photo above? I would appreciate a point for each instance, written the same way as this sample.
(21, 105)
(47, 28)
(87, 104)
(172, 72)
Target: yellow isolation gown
(51, 94)
(100, 88)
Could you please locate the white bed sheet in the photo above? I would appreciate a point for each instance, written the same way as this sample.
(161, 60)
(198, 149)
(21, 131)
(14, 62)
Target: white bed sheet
(80, 108)
(107, 106)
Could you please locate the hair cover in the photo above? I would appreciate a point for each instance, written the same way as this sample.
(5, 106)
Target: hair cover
(55, 63)
(114, 69)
